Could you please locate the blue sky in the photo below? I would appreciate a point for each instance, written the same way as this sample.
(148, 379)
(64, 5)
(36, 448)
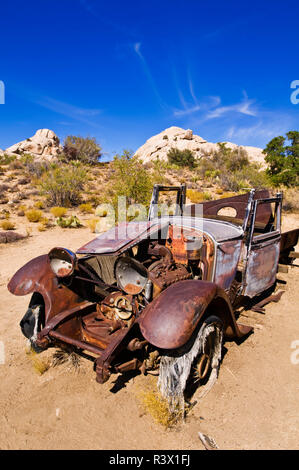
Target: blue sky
(124, 71)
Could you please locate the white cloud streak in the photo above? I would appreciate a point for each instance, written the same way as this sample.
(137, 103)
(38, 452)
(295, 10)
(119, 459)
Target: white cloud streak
(146, 69)
(69, 110)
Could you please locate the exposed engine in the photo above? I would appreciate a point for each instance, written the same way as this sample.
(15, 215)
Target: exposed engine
(121, 287)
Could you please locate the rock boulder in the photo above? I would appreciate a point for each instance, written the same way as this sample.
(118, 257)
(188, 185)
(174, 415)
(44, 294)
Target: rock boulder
(44, 144)
(159, 145)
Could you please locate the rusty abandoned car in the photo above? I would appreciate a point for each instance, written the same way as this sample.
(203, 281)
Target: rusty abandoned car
(159, 296)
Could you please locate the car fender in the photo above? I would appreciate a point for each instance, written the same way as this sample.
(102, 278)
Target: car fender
(36, 276)
(170, 319)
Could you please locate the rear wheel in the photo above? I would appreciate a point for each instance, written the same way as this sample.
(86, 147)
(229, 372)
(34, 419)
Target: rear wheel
(198, 360)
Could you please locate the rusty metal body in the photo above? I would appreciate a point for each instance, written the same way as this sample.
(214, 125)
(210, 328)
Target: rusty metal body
(145, 287)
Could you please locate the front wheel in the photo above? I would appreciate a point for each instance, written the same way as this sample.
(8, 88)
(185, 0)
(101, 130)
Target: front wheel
(202, 353)
(31, 324)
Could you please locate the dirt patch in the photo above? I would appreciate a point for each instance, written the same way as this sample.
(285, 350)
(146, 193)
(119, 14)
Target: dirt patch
(253, 405)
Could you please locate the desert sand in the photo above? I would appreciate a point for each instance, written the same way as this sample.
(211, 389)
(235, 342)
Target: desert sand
(254, 404)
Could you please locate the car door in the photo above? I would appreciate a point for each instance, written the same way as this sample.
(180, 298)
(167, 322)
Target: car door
(263, 246)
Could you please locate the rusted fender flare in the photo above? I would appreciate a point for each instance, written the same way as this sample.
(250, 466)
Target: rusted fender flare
(169, 321)
(29, 278)
(37, 276)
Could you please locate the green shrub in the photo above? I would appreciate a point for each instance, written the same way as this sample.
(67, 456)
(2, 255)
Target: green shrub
(131, 179)
(84, 149)
(181, 157)
(62, 186)
(158, 169)
(70, 222)
(7, 159)
(32, 167)
(248, 177)
(283, 160)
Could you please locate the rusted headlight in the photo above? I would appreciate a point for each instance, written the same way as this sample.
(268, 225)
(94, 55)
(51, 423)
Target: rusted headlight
(63, 262)
(131, 275)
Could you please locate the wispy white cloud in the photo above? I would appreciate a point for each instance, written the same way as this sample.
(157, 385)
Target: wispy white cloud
(186, 111)
(69, 110)
(188, 108)
(269, 125)
(136, 48)
(243, 107)
(146, 69)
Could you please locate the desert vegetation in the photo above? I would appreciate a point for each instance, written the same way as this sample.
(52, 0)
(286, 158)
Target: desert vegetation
(66, 191)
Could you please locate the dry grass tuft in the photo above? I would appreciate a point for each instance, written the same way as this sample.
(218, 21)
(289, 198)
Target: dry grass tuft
(58, 211)
(158, 408)
(86, 208)
(8, 225)
(92, 223)
(34, 215)
(71, 359)
(228, 194)
(44, 224)
(196, 196)
(39, 205)
(290, 202)
(40, 365)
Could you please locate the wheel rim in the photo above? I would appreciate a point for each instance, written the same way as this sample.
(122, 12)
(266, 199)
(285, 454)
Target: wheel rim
(204, 361)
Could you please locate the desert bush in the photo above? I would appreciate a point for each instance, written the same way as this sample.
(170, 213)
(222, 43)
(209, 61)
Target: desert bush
(39, 205)
(58, 211)
(83, 149)
(7, 159)
(92, 223)
(15, 165)
(86, 208)
(237, 159)
(158, 169)
(36, 170)
(181, 157)
(246, 178)
(34, 215)
(44, 224)
(95, 200)
(8, 225)
(130, 179)
(223, 161)
(196, 196)
(62, 186)
(290, 201)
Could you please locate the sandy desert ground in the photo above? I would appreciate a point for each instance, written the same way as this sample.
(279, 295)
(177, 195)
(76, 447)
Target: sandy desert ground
(254, 404)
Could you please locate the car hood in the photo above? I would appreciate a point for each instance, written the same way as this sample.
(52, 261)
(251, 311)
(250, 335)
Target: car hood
(127, 234)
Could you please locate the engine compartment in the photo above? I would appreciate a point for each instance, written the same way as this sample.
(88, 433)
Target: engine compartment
(119, 286)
